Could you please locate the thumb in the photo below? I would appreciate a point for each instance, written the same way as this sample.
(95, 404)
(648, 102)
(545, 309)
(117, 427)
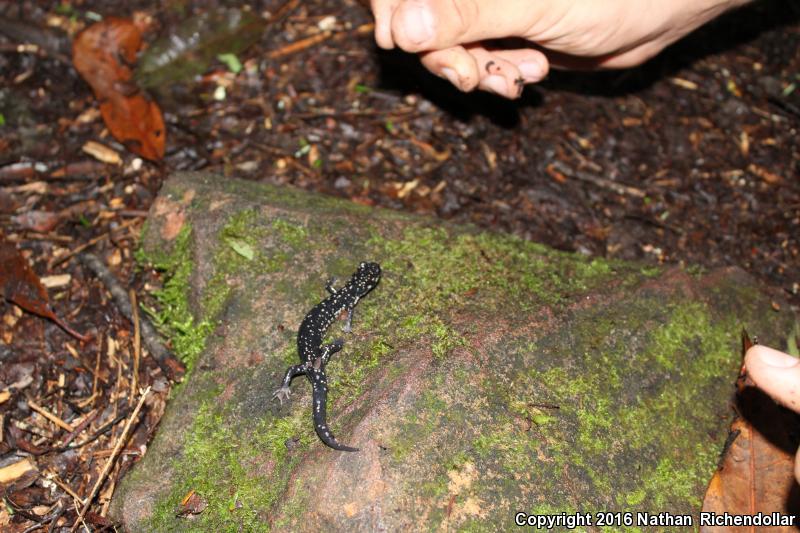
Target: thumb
(776, 373)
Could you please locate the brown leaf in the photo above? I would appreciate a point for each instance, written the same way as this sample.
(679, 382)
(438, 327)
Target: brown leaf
(103, 54)
(757, 472)
(192, 504)
(41, 221)
(20, 284)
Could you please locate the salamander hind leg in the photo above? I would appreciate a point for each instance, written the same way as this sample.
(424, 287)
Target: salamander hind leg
(329, 349)
(284, 392)
(320, 397)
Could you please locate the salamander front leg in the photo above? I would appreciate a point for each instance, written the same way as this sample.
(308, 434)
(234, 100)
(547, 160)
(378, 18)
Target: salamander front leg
(284, 392)
(329, 286)
(348, 321)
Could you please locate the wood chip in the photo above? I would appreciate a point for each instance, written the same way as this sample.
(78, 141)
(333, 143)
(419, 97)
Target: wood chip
(102, 153)
(764, 174)
(16, 470)
(59, 280)
(684, 84)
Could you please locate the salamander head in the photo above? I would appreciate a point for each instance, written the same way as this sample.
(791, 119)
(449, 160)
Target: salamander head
(366, 277)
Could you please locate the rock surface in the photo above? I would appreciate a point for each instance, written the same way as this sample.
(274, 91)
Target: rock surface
(484, 376)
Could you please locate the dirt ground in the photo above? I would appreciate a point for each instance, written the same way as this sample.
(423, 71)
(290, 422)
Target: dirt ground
(692, 158)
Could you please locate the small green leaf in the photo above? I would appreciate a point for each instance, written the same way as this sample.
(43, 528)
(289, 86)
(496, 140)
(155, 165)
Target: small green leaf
(389, 125)
(541, 420)
(317, 163)
(242, 248)
(231, 61)
(2, 119)
(362, 89)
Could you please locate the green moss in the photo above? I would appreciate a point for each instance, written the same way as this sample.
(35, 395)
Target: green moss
(295, 235)
(214, 464)
(174, 317)
(607, 425)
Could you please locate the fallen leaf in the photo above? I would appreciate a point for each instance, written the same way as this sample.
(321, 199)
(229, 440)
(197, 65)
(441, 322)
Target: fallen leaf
(192, 504)
(102, 54)
(20, 285)
(41, 221)
(242, 248)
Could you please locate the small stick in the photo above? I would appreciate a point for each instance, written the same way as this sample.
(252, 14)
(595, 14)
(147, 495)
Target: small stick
(302, 44)
(50, 416)
(66, 488)
(63, 257)
(110, 462)
(137, 345)
(97, 365)
(601, 182)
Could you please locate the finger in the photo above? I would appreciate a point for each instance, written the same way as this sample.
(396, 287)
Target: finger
(776, 373)
(454, 64)
(420, 25)
(383, 10)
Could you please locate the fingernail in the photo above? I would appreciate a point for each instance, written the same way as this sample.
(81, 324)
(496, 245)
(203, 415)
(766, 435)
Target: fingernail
(496, 84)
(776, 359)
(452, 77)
(531, 70)
(419, 25)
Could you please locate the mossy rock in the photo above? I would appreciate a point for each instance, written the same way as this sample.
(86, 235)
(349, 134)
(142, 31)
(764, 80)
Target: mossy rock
(485, 375)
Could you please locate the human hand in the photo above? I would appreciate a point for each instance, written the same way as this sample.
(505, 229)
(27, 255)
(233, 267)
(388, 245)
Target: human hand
(777, 374)
(451, 35)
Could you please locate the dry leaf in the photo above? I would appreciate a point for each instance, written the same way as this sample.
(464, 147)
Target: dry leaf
(21, 285)
(192, 504)
(102, 54)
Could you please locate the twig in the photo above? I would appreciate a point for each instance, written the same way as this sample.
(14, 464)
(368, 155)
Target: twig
(63, 257)
(302, 44)
(107, 467)
(66, 488)
(171, 366)
(50, 416)
(137, 345)
(104, 429)
(604, 183)
(290, 160)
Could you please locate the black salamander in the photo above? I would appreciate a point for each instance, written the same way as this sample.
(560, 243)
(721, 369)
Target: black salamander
(314, 355)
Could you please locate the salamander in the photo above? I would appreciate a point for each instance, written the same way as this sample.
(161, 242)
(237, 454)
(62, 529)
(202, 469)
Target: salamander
(314, 355)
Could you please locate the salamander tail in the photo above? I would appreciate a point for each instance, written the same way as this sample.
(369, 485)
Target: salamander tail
(320, 398)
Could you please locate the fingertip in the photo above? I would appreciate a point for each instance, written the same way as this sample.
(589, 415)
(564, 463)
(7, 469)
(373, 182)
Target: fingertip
(413, 27)
(455, 64)
(532, 64)
(776, 373)
(764, 355)
(382, 12)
